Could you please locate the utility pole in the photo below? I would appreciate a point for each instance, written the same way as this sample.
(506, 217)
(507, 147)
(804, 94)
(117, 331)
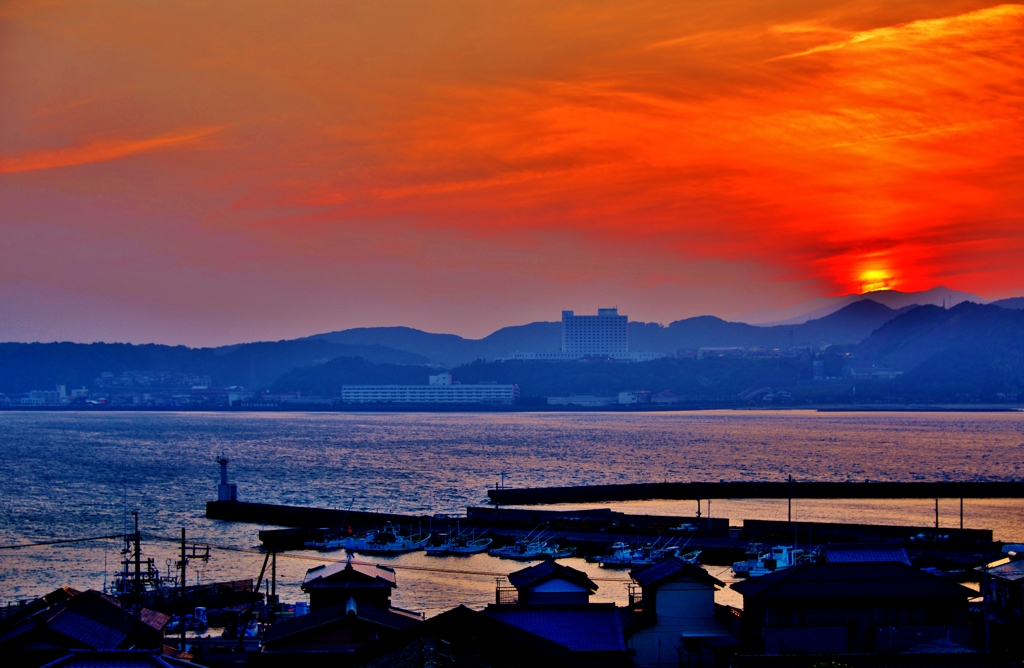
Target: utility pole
(272, 598)
(137, 586)
(183, 564)
(137, 583)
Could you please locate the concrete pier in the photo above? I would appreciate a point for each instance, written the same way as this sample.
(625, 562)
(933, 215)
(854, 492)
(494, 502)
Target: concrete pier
(757, 490)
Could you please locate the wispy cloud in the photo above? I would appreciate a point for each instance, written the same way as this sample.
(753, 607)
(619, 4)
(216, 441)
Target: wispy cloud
(101, 150)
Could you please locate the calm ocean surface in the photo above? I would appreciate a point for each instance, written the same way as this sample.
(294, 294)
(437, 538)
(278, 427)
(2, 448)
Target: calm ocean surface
(70, 475)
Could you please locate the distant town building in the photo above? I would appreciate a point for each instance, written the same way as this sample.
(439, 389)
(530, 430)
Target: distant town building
(872, 372)
(440, 390)
(632, 397)
(582, 400)
(667, 397)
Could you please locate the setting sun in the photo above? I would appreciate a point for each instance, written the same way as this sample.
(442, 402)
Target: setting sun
(873, 280)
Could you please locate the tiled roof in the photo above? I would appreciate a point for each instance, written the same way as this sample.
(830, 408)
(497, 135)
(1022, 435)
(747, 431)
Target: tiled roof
(839, 554)
(670, 569)
(592, 627)
(545, 570)
(850, 580)
(88, 632)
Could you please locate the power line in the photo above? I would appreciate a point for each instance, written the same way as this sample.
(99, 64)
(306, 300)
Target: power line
(305, 557)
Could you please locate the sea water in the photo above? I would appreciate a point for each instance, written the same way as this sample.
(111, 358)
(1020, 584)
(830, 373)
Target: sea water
(68, 475)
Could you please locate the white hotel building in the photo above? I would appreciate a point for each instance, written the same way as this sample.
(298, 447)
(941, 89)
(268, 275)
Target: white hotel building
(602, 335)
(441, 390)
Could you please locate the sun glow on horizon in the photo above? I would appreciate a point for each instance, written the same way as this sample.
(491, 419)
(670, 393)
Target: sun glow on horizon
(873, 280)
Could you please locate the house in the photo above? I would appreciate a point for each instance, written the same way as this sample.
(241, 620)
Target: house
(673, 620)
(553, 601)
(549, 582)
(350, 607)
(836, 608)
(464, 637)
(334, 584)
(67, 620)
(1002, 584)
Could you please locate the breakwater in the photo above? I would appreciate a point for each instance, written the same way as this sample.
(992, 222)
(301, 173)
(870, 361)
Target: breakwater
(756, 490)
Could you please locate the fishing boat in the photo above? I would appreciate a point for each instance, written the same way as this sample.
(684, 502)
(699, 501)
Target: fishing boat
(333, 542)
(471, 546)
(776, 559)
(623, 556)
(459, 544)
(441, 547)
(532, 550)
(741, 569)
(390, 541)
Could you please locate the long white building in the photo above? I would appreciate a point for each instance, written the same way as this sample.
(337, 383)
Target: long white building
(441, 390)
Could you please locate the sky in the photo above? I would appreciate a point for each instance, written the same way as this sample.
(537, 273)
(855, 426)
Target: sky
(207, 173)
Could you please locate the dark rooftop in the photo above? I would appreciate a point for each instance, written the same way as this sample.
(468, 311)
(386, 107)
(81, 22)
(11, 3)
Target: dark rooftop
(350, 574)
(594, 627)
(1005, 569)
(546, 570)
(122, 658)
(386, 617)
(481, 635)
(669, 569)
(838, 554)
(850, 580)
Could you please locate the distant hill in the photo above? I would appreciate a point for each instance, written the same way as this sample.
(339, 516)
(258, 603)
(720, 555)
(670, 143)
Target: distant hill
(848, 325)
(968, 349)
(451, 349)
(823, 306)
(327, 379)
(41, 366)
(1012, 302)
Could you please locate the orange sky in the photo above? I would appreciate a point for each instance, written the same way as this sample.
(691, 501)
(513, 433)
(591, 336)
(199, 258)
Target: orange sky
(204, 173)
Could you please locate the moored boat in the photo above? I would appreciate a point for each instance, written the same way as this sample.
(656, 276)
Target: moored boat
(388, 541)
(532, 550)
(778, 558)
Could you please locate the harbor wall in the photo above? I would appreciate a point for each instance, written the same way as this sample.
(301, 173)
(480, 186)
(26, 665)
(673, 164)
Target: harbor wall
(756, 490)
